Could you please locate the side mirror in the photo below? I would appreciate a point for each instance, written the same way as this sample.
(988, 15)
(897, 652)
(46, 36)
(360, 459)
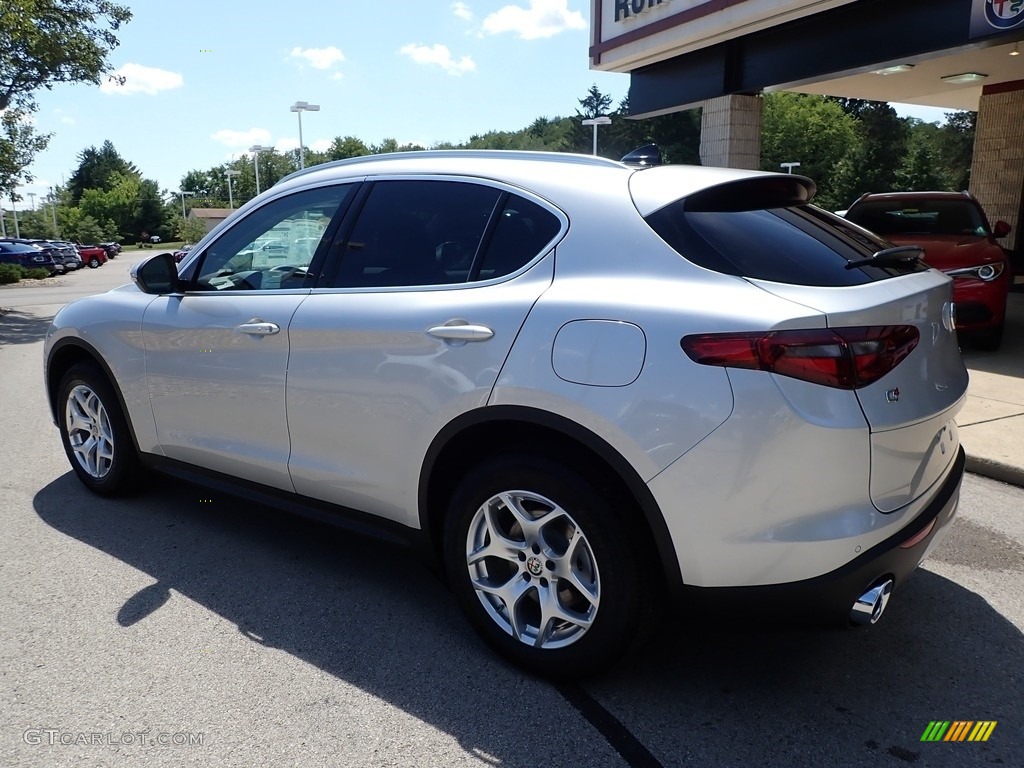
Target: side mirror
(157, 275)
(1001, 229)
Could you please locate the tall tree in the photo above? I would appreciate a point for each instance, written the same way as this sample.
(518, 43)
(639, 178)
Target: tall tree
(99, 169)
(19, 143)
(880, 149)
(812, 131)
(43, 42)
(957, 147)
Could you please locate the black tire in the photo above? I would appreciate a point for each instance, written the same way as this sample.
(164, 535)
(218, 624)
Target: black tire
(605, 560)
(989, 340)
(110, 466)
(94, 262)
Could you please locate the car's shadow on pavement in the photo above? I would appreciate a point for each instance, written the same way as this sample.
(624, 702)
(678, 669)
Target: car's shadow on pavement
(21, 327)
(372, 616)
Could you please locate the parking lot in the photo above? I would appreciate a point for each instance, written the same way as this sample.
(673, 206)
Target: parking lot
(182, 627)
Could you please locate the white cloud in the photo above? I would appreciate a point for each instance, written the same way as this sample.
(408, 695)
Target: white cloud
(286, 145)
(320, 145)
(68, 120)
(140, 79)
(245, 139)
(544, 18)
(461, 10)
(337, 76)
(438, 55)
(319, 58)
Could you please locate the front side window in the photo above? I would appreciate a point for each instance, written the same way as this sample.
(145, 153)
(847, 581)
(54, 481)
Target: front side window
(274, 246)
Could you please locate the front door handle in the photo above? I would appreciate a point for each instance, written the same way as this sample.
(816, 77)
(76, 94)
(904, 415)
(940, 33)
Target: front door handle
(258, 328)
(461, 332)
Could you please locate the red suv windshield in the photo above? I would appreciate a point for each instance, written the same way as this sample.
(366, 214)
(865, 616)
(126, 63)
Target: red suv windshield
(919, 217)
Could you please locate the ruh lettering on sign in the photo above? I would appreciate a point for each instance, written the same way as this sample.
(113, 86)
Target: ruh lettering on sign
(626, 8)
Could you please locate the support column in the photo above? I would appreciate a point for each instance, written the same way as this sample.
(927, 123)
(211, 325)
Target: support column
(730, 132)
(997, 168)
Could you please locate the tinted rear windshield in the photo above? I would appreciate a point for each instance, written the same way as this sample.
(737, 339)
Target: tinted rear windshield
(800, 245)
(919, 217)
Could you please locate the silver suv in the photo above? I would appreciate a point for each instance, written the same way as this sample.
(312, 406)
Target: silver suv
(588, 391)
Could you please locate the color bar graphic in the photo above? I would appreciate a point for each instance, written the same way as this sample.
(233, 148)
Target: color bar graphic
(958, 730)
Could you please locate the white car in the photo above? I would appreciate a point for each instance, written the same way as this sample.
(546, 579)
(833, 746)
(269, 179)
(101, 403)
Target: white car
(591, 392)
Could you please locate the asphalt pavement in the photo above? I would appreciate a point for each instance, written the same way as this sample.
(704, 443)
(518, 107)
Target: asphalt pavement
(183, 627)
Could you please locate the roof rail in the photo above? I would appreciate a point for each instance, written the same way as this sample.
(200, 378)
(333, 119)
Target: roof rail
(504, 154)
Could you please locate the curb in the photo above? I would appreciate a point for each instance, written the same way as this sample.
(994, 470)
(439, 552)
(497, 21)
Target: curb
(995, 470)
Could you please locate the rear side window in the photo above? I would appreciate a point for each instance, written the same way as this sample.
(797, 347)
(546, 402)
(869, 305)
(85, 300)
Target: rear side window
(434, 232)
(799, 245)
(522, 231)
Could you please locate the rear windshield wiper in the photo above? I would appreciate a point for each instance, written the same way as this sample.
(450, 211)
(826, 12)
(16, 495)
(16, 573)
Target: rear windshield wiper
(890, 257)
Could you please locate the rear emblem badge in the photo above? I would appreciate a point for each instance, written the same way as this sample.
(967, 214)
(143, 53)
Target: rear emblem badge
(893, 395)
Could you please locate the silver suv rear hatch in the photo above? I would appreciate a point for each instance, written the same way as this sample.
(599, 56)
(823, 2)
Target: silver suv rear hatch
(761, 228)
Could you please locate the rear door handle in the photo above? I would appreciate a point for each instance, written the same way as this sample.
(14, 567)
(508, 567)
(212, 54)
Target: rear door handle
(461, 332)
(258, 328)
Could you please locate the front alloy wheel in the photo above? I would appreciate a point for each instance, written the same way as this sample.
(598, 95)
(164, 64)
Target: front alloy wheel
(94, 431)
(89, 432)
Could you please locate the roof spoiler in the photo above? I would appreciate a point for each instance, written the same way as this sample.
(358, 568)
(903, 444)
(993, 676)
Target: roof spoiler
(643, 157)
(775, 190)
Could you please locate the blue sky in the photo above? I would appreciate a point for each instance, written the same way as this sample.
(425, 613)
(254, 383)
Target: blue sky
(207, 80)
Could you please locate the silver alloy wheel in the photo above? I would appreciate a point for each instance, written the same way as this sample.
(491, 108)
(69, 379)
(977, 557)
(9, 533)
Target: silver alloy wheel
(89, 431)
(533, 569)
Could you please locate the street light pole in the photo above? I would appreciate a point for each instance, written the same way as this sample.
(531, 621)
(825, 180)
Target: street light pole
(14, 213)
(596, 121)
(229, 175)
(33, 196)
(298, 108)
(183, 193)
(256, 149)
(789, 166)
(53, 210)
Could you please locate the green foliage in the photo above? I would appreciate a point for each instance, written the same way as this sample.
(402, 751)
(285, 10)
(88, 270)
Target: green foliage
(37, 224)
(594, 104)
(349, 146)
(36, 274)
(189, 230)
(82, 228)
(812, 131)
(10, 273)
(99, 169)
(19, 144)
(921, 170)
(43, 42)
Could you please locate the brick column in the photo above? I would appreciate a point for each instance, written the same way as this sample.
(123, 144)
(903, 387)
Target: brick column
(730, 132)
(997, 168)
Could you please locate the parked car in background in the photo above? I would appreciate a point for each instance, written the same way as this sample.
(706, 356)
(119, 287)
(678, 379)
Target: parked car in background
(112, 249)
(39, 256)
(956, 237)
(181, 253)
(93, 255)
(65, 253)
(28, 256)
(592, 393)
(70, 253)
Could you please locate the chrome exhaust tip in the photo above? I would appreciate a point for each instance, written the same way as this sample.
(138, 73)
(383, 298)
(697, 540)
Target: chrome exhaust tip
(868, 608)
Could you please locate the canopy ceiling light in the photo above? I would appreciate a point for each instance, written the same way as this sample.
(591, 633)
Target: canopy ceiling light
(893, 70)
(963, 78)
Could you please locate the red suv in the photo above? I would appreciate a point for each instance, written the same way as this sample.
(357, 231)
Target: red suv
(956, 237)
